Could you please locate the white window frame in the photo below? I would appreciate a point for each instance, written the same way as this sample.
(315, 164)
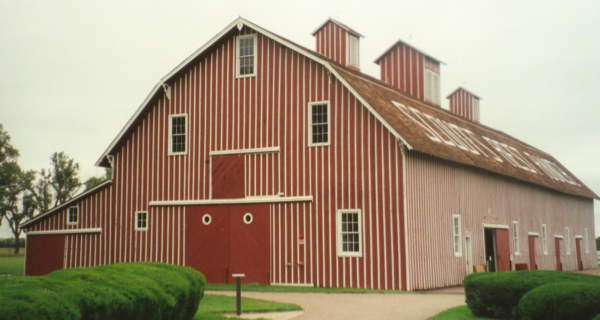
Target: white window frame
(516, 237)
(568, 240)
(237, 56)
(432, 87)
(350, 50)
(170, 143)
(310, 124)
(137, 218)
(586, 240)
(69, 222)
(457, 236)
(338, 228)
(544, 232)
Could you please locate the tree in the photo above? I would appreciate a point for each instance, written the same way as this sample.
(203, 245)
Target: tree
(94, 181)
(65, 180)
(8, 156)
(40, 191)
(20, 204)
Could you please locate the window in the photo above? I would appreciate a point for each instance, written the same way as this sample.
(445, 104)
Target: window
(544, 239)
(248, 218)
(475, 109)
(206, 219)
(432, 87)
(586, 240)
(72, 215)
(515, 231)
(353, 51)
(141, 221)
(568, 240)
(349, 230)
(177, 134)
(318, 124)
(456, 235)
(246, 55)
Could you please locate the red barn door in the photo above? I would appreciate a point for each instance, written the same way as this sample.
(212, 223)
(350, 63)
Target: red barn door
(226, 239)
(227, 176)
(578, 248)
(45, 253)
(502, 249)
(532, 253)
(557, 249)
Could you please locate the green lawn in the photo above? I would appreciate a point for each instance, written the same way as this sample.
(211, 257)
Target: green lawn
(295, 289)
(457, 313)
(212, 305)
(10, 263)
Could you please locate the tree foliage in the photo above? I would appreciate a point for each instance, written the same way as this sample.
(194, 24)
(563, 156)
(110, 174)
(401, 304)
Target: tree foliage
(8, 158)
(19, 204)
(94, 181)
(65, 177)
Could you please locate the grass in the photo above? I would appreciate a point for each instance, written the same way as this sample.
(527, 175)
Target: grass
(213, 305)
(11, 264)
(294, 289)
(457, 313)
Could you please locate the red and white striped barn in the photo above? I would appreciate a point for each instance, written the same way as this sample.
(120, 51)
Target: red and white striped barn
(256, 155)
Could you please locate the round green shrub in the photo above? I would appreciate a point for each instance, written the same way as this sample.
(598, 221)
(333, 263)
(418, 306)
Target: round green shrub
(497, 294)
(565, 300)
(122, 291)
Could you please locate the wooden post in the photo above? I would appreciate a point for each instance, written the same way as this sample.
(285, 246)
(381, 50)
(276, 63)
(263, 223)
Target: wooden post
(238, 292)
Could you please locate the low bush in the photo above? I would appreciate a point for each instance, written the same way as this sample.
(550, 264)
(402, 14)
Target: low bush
(497, 294)
(563, 300)
(122, 291)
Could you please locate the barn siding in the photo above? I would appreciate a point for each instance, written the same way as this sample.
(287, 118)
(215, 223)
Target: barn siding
(331, 42)
(361, 168)
(403, 68)
(436, 189)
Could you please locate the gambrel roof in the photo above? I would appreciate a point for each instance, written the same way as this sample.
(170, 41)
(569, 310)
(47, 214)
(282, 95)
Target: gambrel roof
(418, 126)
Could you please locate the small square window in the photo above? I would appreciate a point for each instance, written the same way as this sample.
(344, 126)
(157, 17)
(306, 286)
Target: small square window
(141, 221)
(72, 215)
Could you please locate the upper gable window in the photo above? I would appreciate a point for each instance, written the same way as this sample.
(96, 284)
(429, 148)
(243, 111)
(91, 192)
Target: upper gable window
(177, 134)
(246, 55)
(73, 215)
(353, 51)
(318, 123)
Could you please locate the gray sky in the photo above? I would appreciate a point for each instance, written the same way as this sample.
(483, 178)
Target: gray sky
(73, 72)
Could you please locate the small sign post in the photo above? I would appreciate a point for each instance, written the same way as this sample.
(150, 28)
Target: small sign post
(238, 292)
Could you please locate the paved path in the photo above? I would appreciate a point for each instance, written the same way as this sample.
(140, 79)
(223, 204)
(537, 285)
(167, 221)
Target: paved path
(332, 306)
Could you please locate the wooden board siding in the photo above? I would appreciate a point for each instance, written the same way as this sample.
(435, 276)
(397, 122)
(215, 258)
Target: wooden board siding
(361, 168)
(331, 42)
(436, 189)
(462, 103)
(403, 68)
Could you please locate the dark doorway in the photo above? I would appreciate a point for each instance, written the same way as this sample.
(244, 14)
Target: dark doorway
(532, 253)
(490, 249)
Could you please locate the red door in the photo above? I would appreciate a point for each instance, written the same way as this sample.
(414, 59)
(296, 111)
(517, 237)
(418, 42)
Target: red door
(532, 253)
(226, 239)
(502, 249)
(44, 254)
(578, 248)
(557, 249)
(227, 176)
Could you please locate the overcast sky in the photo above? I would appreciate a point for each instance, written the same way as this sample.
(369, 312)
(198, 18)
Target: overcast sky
(73, 72)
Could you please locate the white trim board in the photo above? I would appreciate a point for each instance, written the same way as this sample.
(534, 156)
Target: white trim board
(244, 151)
(285, 284)
(536, 234)
(578, 236)
(559, 236)
(65, 231)
(495, 226)
(273, 199)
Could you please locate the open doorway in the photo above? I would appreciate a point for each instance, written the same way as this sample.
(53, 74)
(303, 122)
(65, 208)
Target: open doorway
(497, 249)
(490, 250)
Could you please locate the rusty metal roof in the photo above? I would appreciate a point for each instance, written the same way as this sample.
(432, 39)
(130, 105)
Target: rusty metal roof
(437, 132)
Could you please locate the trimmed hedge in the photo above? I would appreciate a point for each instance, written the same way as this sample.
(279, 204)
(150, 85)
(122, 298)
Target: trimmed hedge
(122, 291)
(497, 294)
(564, 300)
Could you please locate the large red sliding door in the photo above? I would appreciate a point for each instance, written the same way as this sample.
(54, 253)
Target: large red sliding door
(226, 239)
(557, 251)
(578, 248)
(45, 253)
(502, 249)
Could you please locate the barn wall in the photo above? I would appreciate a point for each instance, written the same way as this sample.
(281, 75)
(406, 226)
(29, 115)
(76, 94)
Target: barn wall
(461, 103)
(436, 189)
(360, 169)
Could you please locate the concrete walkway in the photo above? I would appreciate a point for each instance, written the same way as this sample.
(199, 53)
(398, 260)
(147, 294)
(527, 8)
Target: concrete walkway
(334, 306)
